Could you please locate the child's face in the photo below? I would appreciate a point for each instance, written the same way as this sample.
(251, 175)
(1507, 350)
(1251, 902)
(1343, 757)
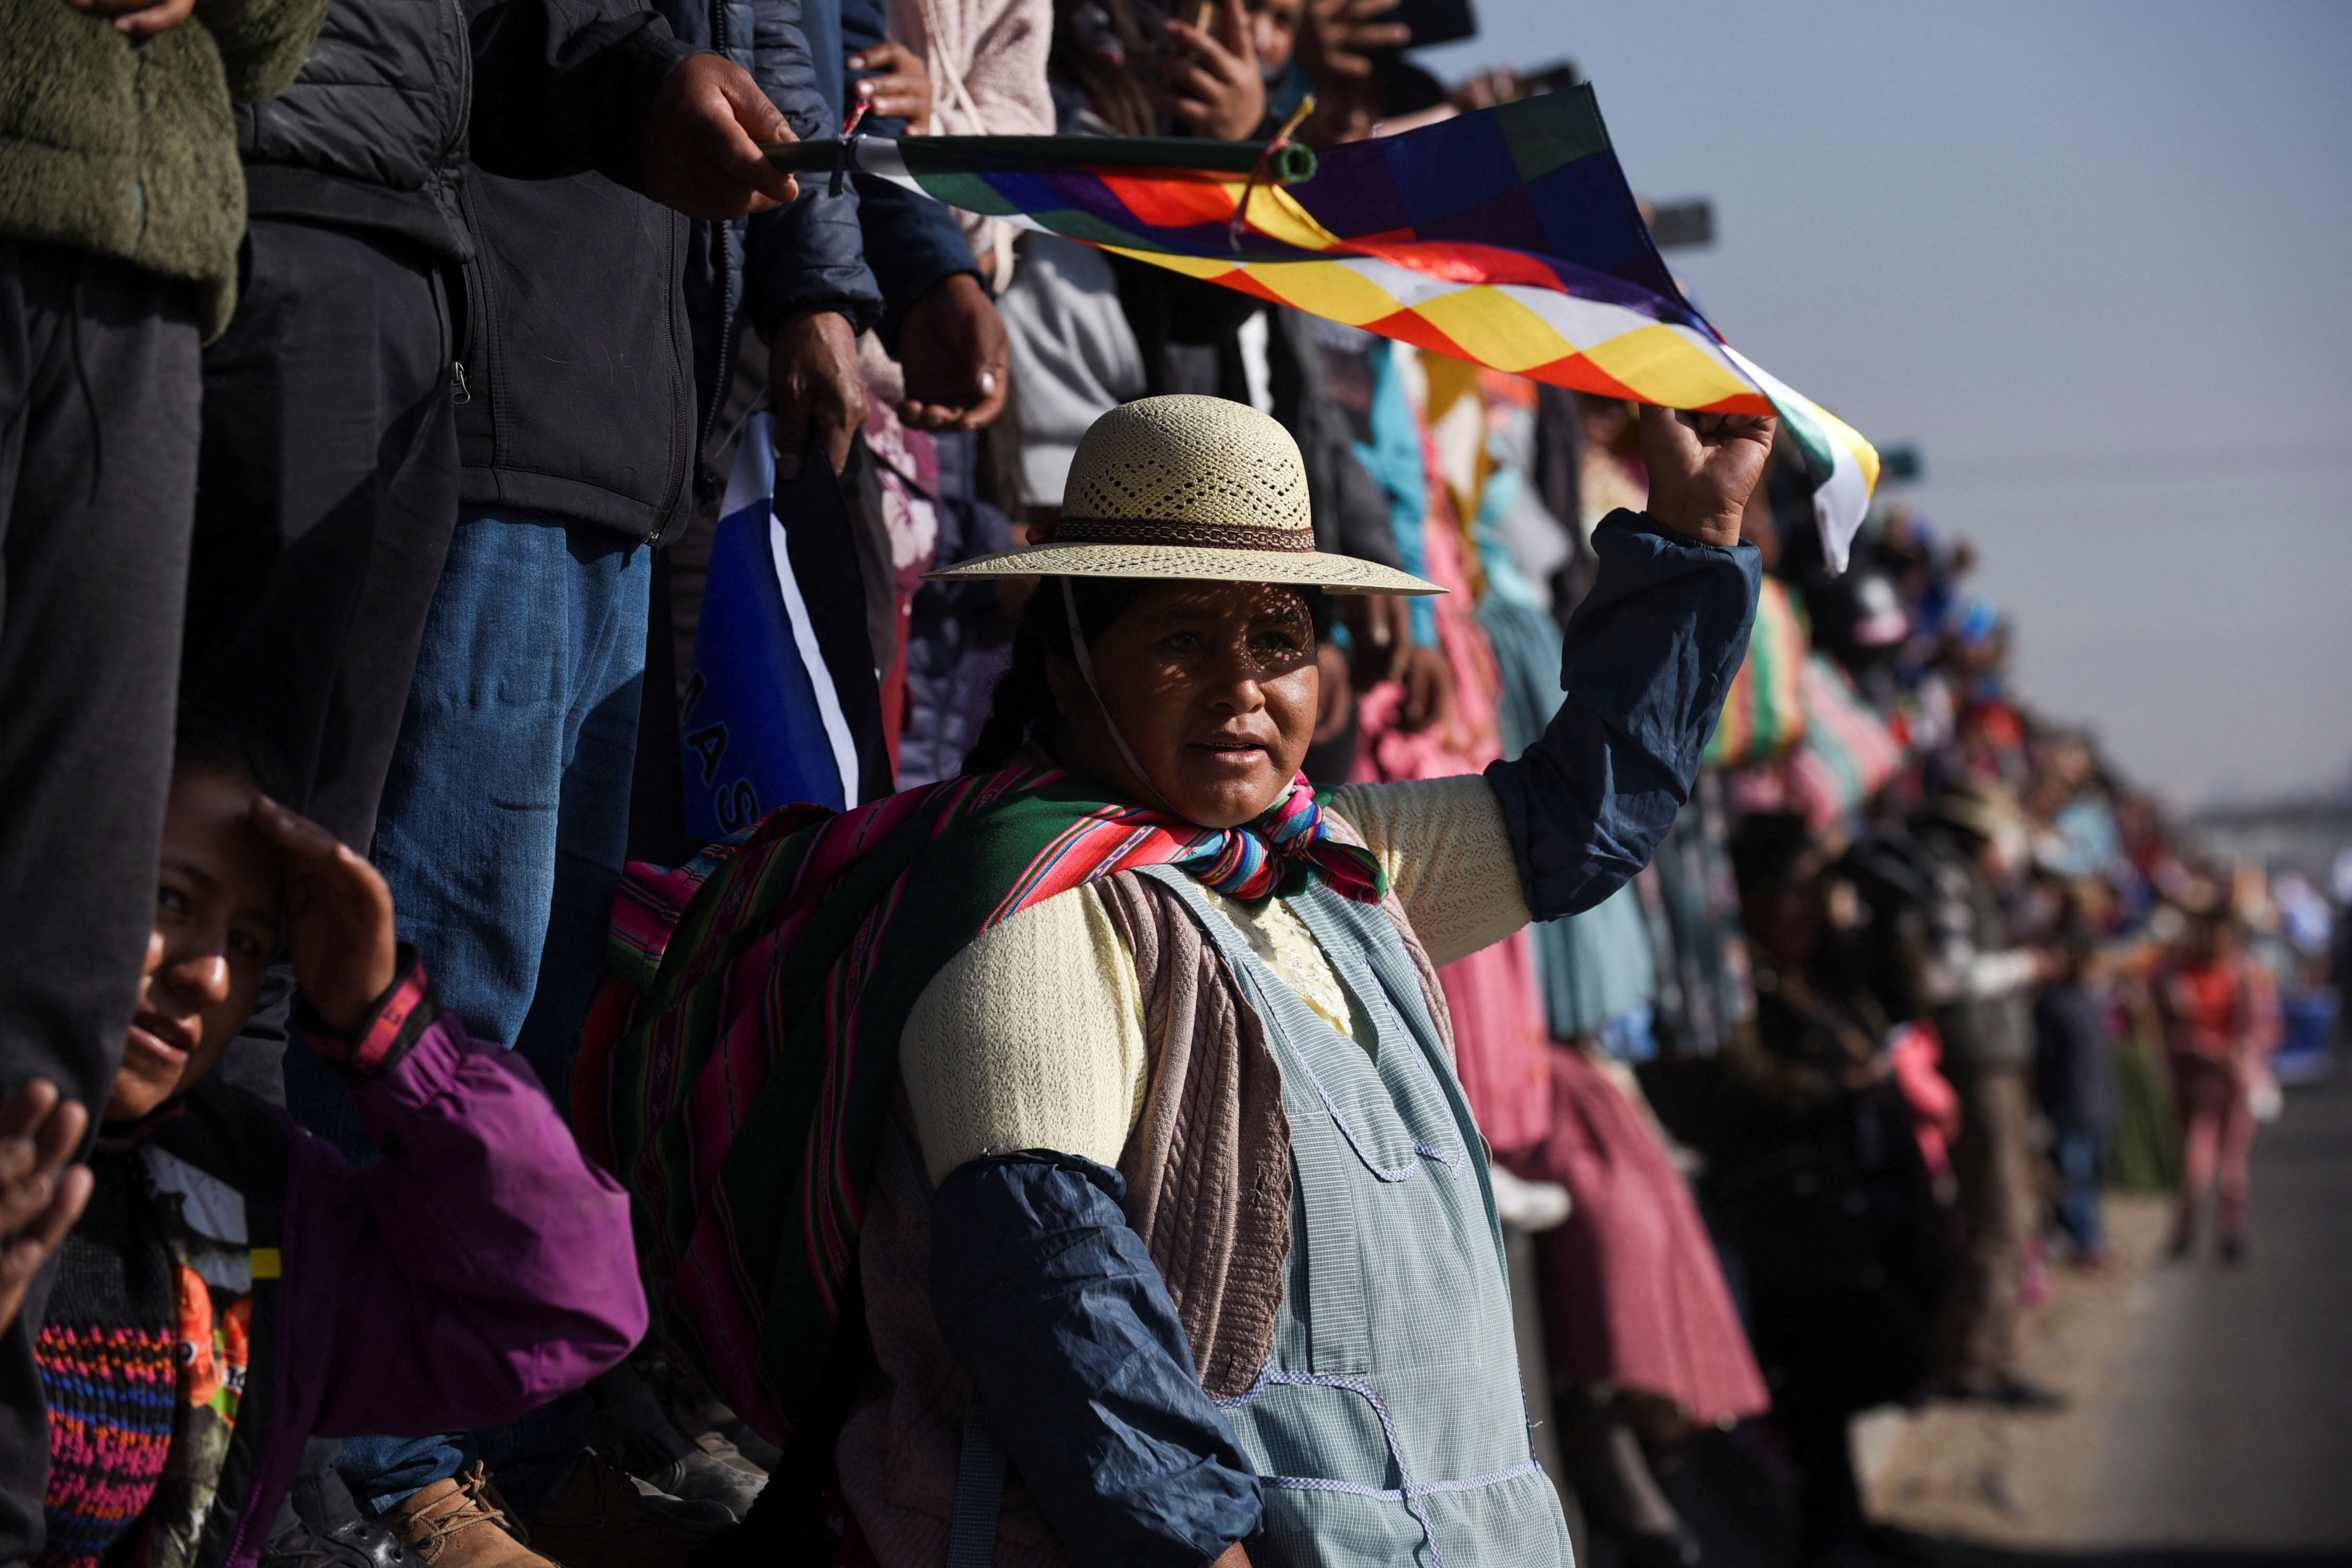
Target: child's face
(1273, 31)
(217, 907)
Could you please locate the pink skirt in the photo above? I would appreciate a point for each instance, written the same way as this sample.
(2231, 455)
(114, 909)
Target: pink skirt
(1632, 1293)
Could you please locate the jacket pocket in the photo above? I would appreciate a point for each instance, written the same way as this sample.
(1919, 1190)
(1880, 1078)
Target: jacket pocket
(473, 381)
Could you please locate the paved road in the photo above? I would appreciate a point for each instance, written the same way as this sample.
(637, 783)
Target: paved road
(2232, 1427)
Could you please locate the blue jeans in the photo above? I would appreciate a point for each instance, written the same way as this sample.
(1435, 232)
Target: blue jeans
(503, 833)
(2080, 1153)
(531, 1457)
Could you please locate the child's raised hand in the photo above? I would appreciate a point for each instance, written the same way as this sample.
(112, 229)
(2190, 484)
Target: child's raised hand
(339, 930)
(40, 1195)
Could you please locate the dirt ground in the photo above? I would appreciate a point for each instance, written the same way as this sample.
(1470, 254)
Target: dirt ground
(2009, 1479)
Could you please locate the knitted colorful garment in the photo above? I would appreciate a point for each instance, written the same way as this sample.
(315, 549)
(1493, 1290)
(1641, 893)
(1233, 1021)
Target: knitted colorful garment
(144, 1351)
(107, 1352)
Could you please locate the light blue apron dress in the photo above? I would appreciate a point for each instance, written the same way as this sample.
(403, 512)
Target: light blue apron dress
(1389, 1427)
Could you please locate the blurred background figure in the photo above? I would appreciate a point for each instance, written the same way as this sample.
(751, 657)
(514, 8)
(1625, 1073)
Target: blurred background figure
(2074, 1074)
(2221, 1022)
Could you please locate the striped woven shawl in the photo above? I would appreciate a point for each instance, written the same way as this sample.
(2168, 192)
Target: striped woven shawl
(736, 1075)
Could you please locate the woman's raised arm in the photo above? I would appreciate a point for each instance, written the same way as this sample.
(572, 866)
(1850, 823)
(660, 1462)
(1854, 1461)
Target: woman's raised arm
(1647, 659)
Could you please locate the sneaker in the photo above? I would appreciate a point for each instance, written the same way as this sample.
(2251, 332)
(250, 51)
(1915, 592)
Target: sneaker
(631, 1426)
(699, 1476)
(356, 1543)
(464, 1523)
(2234, 1250)
(322, 1525)
(602, 1519)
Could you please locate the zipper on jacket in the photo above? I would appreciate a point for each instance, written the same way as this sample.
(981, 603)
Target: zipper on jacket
(682, 394)
(457, 147)
(722, 374)
(446, 308)
(481, 327)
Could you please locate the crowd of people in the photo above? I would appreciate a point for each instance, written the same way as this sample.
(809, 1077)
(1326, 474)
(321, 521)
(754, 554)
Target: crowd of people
(391, 1173)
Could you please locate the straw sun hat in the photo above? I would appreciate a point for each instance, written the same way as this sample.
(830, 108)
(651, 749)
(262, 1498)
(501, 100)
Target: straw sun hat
(1199, 488)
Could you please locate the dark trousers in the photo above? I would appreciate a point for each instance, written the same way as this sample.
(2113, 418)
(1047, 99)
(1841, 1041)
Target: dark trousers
(97, 464)
(2081, 1156)
(325, 497)
(1992, 1165)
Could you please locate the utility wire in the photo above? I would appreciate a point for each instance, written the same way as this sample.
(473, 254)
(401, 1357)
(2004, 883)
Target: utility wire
(2063, 469)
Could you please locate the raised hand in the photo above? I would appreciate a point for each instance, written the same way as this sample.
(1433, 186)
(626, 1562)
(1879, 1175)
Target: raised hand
(339, 930)
(40, 1195)
(702, 143)
(1337, 37)
(1703, 468)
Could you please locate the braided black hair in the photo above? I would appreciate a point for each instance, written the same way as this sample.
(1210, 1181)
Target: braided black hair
(1023, 709)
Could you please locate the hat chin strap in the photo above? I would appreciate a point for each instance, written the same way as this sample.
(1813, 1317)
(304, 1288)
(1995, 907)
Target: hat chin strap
(1086, 673)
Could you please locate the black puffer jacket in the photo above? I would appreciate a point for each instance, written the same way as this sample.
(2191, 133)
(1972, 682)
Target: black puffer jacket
(808, 256)
(373, 133)
(576, 397)
(505, 134)
(581, 346)
(397, 94)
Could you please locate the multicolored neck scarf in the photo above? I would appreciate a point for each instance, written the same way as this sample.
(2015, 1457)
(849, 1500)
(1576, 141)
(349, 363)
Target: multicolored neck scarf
(737, 1073)
(1274, 856)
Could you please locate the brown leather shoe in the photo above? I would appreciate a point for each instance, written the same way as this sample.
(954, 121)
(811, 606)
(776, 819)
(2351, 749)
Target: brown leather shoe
(464, 1523)
(602, 1520)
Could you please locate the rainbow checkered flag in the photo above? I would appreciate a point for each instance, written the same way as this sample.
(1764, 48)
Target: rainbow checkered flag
(1507, 237)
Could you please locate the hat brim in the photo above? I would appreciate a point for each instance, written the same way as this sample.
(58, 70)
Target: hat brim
(1333, 573)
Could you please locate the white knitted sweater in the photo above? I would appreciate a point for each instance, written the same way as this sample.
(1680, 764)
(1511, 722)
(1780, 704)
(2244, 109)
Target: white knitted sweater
(1033, 1036)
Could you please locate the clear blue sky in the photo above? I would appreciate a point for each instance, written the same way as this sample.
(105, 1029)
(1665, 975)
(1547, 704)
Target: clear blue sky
(2096, 259)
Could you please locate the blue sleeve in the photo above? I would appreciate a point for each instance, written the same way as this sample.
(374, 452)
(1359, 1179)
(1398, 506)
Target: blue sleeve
(810, 255)
(912, 241)
(1648, 658)
(1048, 1302)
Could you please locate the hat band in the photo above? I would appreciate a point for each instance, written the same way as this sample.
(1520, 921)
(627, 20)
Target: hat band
(1160, 531)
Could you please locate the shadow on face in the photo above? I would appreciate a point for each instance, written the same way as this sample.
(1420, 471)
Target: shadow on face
(218, 906)
(1214, 686)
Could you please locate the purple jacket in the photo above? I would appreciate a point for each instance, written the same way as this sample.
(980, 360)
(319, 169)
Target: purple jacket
(478, 1269)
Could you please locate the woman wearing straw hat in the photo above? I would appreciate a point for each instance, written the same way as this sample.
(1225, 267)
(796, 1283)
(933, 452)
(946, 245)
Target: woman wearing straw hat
(1064, 1161)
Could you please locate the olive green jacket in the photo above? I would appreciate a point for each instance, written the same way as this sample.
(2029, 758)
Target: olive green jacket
(130, 150)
